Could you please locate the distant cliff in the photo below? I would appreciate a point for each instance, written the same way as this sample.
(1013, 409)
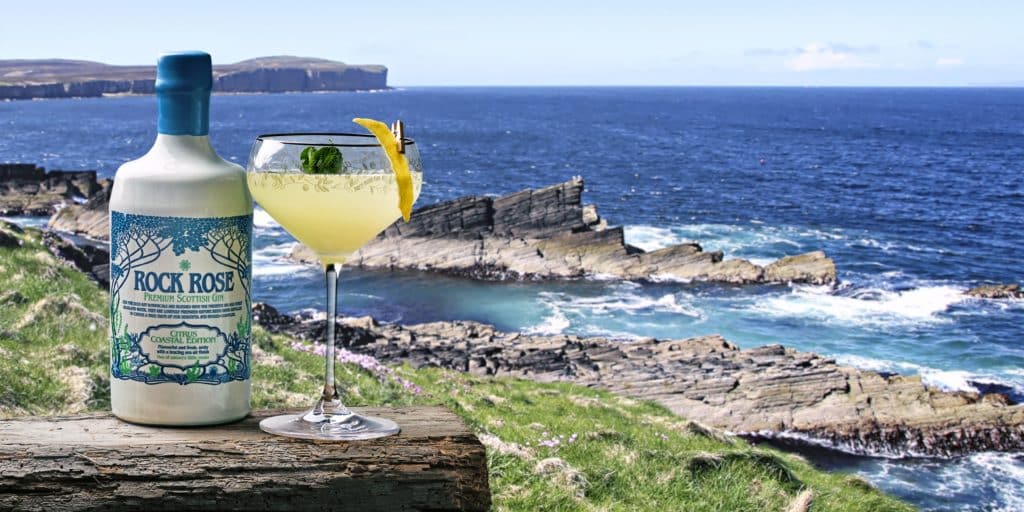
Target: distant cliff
(56, 78)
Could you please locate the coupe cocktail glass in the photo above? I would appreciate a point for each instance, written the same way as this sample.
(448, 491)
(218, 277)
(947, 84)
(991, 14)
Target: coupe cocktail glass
(334, 214)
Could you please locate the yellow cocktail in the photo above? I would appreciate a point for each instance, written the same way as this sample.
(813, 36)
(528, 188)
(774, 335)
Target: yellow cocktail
(334, 215)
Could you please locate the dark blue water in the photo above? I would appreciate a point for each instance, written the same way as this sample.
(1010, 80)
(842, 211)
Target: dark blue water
(916, 193)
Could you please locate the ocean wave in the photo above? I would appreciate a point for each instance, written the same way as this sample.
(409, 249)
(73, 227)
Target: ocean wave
(765, 242)
(728, 238)
(553, 323)
(991, 305)
(272, 261)
(994, 480)
(624, 301)
(986, 481)
(1004, 380)
(893, 247)
(630, 304)
(871, 307)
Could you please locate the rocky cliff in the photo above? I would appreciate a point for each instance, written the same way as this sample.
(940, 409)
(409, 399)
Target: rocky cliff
(55, 78)
(769, 391)
(549, 233)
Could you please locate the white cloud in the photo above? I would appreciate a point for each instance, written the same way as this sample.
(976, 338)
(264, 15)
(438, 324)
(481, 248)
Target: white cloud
(949, 62)
(817, 56)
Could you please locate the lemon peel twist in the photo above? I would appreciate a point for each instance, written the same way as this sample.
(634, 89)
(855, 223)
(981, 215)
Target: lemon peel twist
(399, 163)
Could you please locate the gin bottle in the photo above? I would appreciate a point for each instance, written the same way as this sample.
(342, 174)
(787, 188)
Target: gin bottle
(180, 266)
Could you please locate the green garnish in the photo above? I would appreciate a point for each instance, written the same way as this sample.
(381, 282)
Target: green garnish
(322, 160)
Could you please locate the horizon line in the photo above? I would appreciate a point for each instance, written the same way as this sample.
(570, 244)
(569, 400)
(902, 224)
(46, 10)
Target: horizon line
(1012, 85)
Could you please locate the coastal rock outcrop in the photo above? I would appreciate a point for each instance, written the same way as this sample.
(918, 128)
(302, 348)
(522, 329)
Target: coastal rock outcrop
(58, 78)
(996, 291)
(764, 392)
(26, 189)
(90, 219)
(548, 233)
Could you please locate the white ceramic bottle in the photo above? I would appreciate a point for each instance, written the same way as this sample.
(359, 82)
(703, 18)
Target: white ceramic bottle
(181, 266)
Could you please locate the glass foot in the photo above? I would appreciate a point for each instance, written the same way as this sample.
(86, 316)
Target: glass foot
(329, 422)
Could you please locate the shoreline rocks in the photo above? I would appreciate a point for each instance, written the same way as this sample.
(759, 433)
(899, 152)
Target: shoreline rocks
(91, 259)
(90, 219)
(548, 233)
(996, 291)
(26, 189)
(764, 392)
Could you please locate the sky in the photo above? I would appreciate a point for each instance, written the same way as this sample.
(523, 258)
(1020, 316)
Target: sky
(552, 42)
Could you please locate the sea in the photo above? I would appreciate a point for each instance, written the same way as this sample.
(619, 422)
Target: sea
(916, 193)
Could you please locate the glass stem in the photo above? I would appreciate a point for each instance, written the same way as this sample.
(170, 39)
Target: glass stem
(330, 387)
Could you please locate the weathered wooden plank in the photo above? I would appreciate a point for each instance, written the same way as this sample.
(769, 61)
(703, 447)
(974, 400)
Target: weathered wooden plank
(97, 462)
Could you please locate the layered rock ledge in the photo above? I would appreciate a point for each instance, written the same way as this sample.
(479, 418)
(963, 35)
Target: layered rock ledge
(90, 219)
(549, 233)
(770, 391)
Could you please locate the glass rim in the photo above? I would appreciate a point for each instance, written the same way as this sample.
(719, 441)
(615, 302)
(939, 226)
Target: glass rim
(282, 138)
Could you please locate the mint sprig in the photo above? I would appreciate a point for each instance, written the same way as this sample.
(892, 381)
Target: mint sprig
(322, 160)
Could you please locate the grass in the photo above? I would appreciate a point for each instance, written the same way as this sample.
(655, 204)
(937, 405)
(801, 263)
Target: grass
(550, 446)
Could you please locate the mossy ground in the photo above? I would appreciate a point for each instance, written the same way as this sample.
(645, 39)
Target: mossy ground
(550, 446)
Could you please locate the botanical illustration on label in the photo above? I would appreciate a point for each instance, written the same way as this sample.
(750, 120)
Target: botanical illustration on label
(180, 306)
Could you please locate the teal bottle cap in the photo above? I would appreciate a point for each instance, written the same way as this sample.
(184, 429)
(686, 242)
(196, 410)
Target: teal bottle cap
(183, 84)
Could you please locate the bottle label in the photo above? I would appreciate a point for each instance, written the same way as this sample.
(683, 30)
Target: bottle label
(180, 302)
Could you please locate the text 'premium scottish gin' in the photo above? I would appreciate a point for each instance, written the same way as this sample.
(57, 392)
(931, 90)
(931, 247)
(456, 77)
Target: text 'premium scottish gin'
(180, 266)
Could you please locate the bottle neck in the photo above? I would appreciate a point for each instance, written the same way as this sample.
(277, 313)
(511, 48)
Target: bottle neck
(183, 112)
(183, 146)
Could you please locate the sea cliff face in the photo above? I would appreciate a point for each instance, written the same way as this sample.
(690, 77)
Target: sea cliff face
(29, 79)
(347, 78)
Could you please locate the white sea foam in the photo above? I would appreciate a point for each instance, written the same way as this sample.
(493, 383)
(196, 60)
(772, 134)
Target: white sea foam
(632, 304)
(764, 242)
(1010, 479)
(878, 365)
(760, 243)
(624, 300)
(554, 323)
(272, 261)
(987, 481)
(948, 380)
(668, 278)
(650, 238)
(868, 307)
(994, 480)
(261, 219)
